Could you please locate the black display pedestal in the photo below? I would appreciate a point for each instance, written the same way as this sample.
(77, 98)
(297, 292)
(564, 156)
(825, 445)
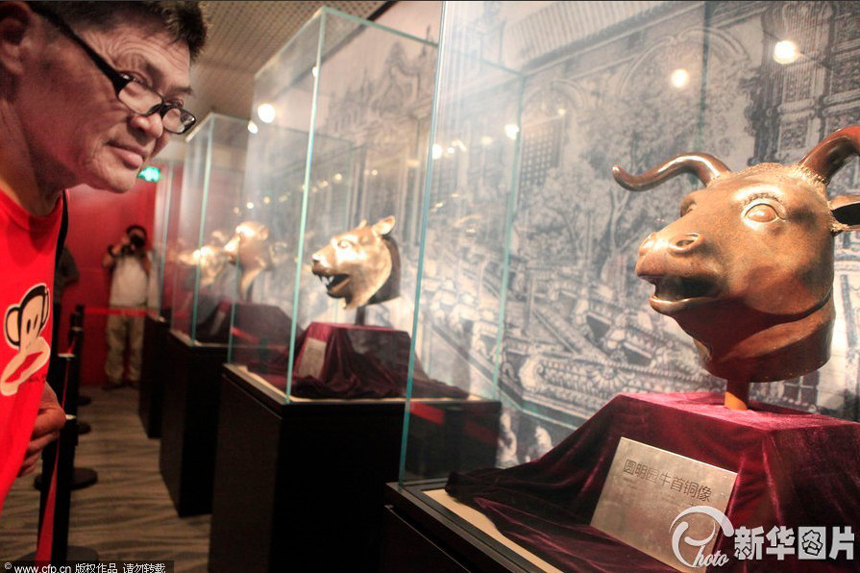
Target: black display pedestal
(189, 422)
(422, 536)
(154, 369)
(300, 486)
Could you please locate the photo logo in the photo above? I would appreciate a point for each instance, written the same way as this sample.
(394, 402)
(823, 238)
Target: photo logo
(701, 560)
(780, 542)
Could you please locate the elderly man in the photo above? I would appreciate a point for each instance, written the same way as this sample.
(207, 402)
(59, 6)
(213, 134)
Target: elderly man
(89, 93)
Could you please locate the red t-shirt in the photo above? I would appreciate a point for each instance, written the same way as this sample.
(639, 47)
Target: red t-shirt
(27, 258)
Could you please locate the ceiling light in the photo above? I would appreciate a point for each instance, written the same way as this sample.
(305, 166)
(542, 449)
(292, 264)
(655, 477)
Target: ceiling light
(266, 112)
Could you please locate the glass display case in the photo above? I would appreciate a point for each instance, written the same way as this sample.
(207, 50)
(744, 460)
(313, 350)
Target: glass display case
(164, 231)
(333, 208)
(205, 277)
(528, 289)
(205, 284)
(341, 120)
(160, 294)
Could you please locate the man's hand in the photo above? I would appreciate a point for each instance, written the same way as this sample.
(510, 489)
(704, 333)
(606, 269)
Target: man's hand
(113, 251)
(49, 422)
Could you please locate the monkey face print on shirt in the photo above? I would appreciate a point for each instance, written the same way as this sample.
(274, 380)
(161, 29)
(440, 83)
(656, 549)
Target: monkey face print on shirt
(28, 256)
(23, 325)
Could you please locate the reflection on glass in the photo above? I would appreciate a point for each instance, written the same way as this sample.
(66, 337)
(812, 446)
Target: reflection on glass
(204, 284)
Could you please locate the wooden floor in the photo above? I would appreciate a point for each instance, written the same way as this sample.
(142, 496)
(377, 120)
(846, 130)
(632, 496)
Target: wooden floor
(128, 514)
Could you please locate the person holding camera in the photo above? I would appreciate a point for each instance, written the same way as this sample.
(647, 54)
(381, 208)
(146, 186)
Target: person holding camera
(129, 260)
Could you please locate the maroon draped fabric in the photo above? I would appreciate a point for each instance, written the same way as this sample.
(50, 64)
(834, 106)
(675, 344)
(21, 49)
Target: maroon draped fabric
(350, 361)
(794, 469)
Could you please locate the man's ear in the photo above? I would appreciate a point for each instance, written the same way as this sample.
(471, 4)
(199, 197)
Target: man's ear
(846, 210)
(15, 20)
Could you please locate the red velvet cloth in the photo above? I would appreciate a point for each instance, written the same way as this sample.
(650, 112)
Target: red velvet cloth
(358, 362)
(794, 469)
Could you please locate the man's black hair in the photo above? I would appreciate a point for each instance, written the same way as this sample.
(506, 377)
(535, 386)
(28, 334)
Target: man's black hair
(136, 227)
(183, 21)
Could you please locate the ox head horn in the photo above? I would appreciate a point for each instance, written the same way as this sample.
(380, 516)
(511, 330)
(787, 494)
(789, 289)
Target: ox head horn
(705, 167)
(830, 155)
(825, 160)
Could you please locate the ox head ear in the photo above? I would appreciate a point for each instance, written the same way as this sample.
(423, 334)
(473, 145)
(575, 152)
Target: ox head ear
(846, 210)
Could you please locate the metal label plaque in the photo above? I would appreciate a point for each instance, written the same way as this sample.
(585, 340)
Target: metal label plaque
(645, 492)
(312, 358)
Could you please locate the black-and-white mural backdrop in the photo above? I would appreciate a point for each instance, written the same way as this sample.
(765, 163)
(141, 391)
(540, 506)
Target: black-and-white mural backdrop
(630, 83)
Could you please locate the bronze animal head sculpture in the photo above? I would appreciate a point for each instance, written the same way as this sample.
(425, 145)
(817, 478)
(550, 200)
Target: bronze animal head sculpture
(747, 270)
(361, 266)
(250, 251)
(209, 259)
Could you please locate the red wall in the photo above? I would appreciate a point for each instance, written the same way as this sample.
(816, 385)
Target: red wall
(97, 219)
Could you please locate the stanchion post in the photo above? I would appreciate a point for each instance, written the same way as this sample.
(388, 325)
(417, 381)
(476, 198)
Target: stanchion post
(63, 500)
(76, 339)
(64, 376)
(56, 378)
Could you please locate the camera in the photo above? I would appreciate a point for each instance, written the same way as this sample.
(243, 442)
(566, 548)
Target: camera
(137, 242)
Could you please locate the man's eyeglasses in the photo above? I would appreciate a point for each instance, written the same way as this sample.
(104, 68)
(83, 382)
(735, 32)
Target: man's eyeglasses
(134, 93)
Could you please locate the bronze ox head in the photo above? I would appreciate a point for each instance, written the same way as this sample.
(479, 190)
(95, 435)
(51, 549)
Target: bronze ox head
(361, 266)
(747, 269)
